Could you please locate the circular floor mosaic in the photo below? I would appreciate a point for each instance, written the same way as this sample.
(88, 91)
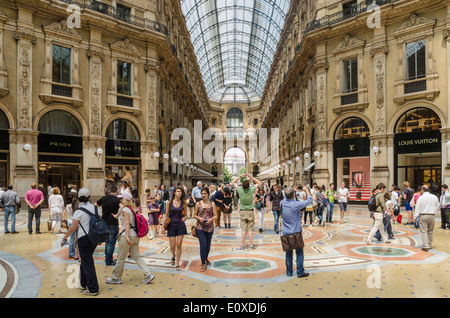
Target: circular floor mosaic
(243, 265)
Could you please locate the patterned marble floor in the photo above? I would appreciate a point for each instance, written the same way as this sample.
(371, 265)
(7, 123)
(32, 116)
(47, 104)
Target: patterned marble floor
(340, 264)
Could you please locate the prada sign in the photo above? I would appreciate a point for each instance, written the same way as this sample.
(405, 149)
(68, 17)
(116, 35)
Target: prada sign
(123, 148)
(426, 141)
(355, 147)
(60, 144)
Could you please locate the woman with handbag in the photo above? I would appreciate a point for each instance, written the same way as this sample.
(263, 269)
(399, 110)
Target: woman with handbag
(205, 213)
(260, 205)
(174, 224)
(57, 208)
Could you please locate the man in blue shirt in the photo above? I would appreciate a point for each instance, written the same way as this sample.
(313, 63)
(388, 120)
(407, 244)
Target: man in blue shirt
(197, 192)
(217, 198)
(290, 210)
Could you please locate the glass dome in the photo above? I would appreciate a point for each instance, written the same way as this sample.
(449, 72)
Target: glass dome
(235, 42)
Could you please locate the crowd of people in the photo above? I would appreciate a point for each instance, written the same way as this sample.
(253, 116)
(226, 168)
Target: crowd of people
(210, 207)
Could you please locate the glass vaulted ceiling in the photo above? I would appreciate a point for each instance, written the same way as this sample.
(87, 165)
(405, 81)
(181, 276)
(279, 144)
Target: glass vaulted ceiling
(235, 42)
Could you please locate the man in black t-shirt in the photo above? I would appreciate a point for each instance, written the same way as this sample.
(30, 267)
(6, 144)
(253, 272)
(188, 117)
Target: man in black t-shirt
(110, 205)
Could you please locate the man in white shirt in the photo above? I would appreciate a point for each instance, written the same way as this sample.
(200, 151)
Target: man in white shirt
(343, 194)
(426, 207)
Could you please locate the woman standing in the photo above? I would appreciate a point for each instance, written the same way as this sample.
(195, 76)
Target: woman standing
(176, 230)
(260, 205)
(128, 242)
(153, 210)
(205, 213)
(57, 208)
(227, 208)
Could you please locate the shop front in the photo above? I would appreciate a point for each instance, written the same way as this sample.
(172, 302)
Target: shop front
(4, 150)
(417, 148)
(60, 152)
(123, 154)
(351, 150)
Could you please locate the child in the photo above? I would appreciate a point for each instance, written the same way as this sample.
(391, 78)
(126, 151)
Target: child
(153, 220)
(227, 209)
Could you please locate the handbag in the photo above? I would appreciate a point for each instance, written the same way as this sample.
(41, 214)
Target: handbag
(292, 241)
(194, 231)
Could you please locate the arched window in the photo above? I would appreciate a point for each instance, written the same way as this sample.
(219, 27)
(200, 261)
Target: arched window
(4, 122)
(352, 127)
(121, 129)
(59, 122)
(255, 171)
(417, 120)
(235, 123)
(214, 171)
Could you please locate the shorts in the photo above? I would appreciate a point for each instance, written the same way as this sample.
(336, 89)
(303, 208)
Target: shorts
(247, 220)
(153, 218)
(181, 230)
(408, 206)
(343, 206)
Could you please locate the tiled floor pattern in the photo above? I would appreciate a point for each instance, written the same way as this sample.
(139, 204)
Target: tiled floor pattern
(339, 262)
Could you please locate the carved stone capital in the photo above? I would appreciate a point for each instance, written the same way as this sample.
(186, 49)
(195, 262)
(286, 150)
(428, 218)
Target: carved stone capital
(380, 49)
(25, 35)
(95, 53)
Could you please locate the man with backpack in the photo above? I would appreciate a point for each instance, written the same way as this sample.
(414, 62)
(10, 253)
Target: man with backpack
(81, 221)
(377, 207)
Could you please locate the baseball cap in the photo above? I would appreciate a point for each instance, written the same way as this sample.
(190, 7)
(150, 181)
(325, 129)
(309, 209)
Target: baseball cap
(83, 192)
(126, 196)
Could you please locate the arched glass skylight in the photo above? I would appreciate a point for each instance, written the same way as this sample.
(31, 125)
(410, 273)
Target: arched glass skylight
(235, 41)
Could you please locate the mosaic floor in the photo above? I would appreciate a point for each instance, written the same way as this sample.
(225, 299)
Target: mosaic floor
(339, 262)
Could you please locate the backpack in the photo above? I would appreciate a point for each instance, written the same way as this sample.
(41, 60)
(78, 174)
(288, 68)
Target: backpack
(141, 227)
(372, 205)
(98, 230)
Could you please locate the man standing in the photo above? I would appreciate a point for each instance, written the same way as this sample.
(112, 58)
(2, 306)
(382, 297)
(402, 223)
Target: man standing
(217, 198)
(197, 192)
(426, 207)
(34, 199)
(343, 194)
(110, 205)
(330, 193)
(10, 199)
(292, 224)
(246, 211)
(275, 198)
(445, 207)
(378, 215)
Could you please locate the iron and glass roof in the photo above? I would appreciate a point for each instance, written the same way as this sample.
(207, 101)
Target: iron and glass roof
(235, 42)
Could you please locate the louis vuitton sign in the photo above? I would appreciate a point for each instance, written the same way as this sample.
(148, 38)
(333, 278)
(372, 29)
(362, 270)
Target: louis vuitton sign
(418, 142)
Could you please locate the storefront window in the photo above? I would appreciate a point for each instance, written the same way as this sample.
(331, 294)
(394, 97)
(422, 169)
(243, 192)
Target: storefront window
(417, 120)
(352, 128)
(59, 122)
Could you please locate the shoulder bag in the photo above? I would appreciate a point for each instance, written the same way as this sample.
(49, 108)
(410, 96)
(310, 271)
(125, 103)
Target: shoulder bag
(292, 241)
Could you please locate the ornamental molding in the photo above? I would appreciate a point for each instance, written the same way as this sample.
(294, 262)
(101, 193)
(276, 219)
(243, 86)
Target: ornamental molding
(60, 30)
(126, 48)
(349, 44)
(415, 26)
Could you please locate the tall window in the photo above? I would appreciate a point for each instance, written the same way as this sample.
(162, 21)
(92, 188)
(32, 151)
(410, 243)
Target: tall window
(123, 13)
(122, 129)
(61, 65)
(350, 75)
(235, 123)
(350, 9)
(124, 78)
(415, 60)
